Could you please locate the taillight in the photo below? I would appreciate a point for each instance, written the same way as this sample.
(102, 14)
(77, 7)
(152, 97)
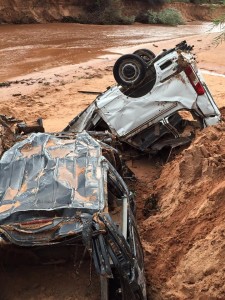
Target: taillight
(194, 81)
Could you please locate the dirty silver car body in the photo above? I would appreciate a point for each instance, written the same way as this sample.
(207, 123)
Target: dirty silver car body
(63, 191)
(146, 114)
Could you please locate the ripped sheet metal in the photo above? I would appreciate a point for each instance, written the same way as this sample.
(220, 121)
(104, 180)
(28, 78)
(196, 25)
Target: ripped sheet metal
(124, 114)
(46, 173)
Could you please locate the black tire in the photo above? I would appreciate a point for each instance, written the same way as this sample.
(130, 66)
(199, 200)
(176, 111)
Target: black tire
(129, 70)
(145, 54)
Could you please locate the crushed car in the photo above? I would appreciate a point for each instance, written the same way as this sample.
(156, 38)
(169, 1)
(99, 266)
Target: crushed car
(64, 189)
(145, 109)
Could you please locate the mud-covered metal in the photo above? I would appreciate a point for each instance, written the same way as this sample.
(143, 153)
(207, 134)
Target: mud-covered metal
(7, 136)
(44, 172)
(60, 189)
(26, 128)
(109, 245)
(146, 115)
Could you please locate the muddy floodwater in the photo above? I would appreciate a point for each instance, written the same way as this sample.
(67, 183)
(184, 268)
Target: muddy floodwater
(28, 48)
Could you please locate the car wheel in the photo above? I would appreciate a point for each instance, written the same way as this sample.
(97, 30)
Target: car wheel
(145, 54)
(129, 70)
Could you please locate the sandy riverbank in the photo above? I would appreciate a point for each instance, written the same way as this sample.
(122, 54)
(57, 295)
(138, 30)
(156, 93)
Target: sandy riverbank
(54, 94)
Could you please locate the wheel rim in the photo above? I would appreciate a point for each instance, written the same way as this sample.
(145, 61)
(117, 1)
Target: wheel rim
(145, 54)
(129, 72)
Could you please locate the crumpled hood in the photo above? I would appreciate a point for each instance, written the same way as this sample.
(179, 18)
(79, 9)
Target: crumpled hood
(45, 173)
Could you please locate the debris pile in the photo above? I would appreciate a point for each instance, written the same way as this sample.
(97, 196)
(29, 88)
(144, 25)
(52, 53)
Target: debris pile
(183, 237)
(7, 137)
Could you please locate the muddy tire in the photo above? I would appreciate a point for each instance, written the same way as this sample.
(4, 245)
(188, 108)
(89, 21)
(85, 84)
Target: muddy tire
(129, 70)
(145, 54)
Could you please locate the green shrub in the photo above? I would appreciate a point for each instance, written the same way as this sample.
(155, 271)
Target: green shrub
(107, 12)
(220, 22)
(167, 16)
(153, 17)
(170, 16)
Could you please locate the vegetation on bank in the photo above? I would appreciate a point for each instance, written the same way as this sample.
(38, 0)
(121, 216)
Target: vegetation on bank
(103, 12)
(221, 23)
(107, 12)
(160, 2)
(167, 16)
(112, 12)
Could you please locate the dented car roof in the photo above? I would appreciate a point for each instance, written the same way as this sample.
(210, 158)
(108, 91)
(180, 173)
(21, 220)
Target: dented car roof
(44, 172)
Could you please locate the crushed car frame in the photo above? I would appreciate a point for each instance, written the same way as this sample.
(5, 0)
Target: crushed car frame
(60, 191)
(145, 109)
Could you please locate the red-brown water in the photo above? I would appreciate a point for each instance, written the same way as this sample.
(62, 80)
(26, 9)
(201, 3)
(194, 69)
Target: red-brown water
(28, 48)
